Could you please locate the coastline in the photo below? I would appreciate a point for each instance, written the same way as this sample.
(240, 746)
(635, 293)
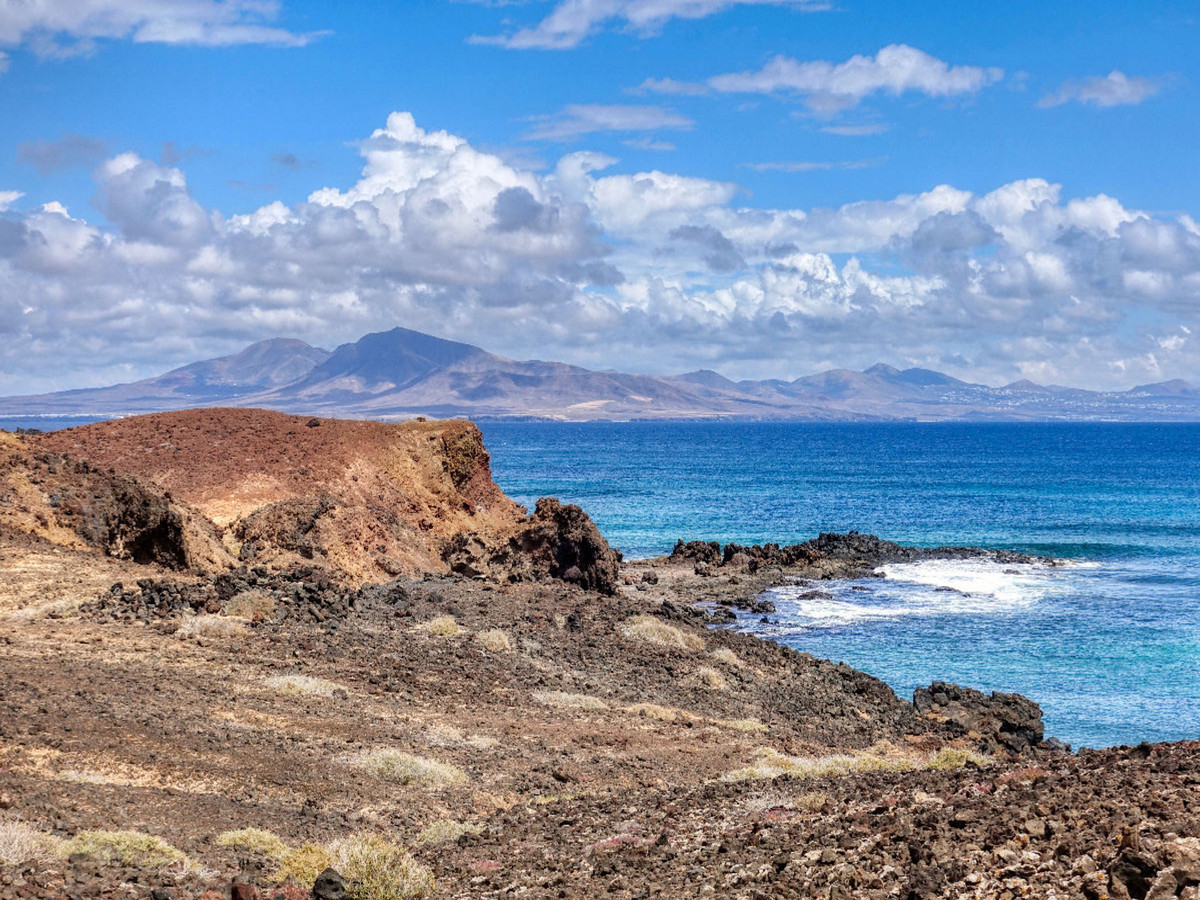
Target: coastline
(512, 709)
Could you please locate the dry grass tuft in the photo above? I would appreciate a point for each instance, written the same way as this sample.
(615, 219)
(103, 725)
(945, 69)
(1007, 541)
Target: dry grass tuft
(728, 657)
(653, 711)
(441, 734)
(494, 640)
(129, 848)
(956, 758)
(377, 869)
(295, 685)
(255, 840)
(447, 831)
(570, 701)
(212, 626)
(657, 632)
(303, 863)
(406, 768)
(442, 626)
(770, 763)
(22, 843)
(253, 605)
(746, 725)
(712, 679)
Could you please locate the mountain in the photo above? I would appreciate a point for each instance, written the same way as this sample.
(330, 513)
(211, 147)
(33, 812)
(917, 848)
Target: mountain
(404, 373)
(259, 367)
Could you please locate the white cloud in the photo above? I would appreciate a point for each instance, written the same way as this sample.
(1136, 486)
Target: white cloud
(57, 28)
(8, 198)
(650, 144)
(648, 270)
(581, 118)
(856, 130)
(573, 20)
(828, 87)
(1114, 89)
(671, 86)
(4, 62)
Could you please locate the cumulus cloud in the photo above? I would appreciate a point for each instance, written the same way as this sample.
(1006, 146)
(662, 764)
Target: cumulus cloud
(828, 87)
(1114, 89)
(68, 152)
(573, 20)
(581, 118)
(8, 198)
(650, 270)
(59, 28)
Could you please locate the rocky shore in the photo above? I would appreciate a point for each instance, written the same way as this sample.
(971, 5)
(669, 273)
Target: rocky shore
(338, 659)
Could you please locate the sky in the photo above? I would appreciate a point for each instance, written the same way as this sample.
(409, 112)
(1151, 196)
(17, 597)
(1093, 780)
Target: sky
(766, 188)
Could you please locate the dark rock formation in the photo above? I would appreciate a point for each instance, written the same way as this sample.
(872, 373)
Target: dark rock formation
(557, 541)
(284, 525)
(67, 501)
(708, 552)
(1010, 721)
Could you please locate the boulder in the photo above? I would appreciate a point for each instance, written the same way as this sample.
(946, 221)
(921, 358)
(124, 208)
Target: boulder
(1010, 721)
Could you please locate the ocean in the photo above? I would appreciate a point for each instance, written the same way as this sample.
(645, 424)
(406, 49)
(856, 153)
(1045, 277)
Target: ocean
(1108, 643)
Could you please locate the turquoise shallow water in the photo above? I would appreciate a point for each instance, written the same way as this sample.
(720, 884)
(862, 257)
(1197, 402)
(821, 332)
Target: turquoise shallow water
(1110, 645)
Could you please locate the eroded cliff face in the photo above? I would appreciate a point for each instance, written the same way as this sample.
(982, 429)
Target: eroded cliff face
(73, 504)
(369, 500)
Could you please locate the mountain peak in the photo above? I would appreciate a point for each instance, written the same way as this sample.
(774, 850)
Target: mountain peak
(390, 360)
(882, 370)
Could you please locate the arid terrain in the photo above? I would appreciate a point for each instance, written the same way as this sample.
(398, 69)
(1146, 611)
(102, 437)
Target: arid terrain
(239, 648)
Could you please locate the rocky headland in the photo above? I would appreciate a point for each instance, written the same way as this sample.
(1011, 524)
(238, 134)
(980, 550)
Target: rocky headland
(246, 654)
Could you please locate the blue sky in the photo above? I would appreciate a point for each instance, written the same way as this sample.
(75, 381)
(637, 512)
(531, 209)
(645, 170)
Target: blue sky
(764, 188)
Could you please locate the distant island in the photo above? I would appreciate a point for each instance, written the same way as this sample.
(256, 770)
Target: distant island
(403, 373)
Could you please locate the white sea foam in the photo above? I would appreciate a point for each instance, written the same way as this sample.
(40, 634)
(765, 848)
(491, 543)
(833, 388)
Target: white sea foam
(929, 588)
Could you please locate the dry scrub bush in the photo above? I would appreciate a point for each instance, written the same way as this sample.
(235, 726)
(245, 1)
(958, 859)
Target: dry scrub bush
(21, 843)
(254, 840)
(295, 685)
(377, 869)
(660, 634)
(495, 640)
(212, 626)
(406, 768)
(253, 605)
(129, 848)
(303, 863)
(727, 656)
(712, 679)
(571, 701)
(446, 831)
(770, 763)
(442, 626)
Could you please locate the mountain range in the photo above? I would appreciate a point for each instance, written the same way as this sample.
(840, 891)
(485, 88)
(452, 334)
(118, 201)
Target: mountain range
(403, 373)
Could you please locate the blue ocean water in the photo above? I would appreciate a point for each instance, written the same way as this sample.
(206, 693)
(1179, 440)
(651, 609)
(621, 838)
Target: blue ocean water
(1108, 644)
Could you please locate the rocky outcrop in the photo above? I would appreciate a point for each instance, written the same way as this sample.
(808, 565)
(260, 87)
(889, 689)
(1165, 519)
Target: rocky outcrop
(558, 541)
(72, 503)
(1009, 721)
(829, 555)
(370, 500)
